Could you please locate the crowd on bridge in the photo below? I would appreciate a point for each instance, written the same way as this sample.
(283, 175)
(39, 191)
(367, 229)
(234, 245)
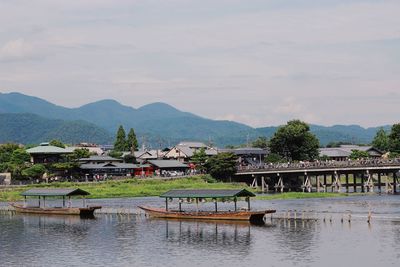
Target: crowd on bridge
(320, 164)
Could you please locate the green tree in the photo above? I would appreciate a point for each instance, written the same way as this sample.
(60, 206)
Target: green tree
(80, 153)
(260, 142)
(132, 143)
(130, 158)
(70, 162)
(56, 143)
(67, 166)
(222, 166)
(6, 151)
(200, 158)
(295, 141)
(394, 139)
(273, 158)
(35, 172)
(115, 154)
(120, 143)
(381, 140)
(358, 154)
(13, 159)
(20, 156)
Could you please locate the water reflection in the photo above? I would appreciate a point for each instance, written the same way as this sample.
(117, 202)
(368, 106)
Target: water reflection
(209, 235)
(114, 240)
(297, 238)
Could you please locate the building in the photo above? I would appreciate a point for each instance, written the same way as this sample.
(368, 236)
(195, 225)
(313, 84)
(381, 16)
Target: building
(343, 152)
(143, 155)
(102, 171)
(99, 160)
(184, 151)
(168, 167)
(45, 153)
(248, 155)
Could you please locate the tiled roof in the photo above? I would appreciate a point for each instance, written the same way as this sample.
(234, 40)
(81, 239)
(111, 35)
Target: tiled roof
(100, 158)
(55, 192)
(208, 193)
(167, 164)
(47, 149)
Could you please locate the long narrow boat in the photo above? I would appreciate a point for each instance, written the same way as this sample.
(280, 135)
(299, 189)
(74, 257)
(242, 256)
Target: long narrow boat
(252, 216)
(236, 215)
(41, 208)
(84, 212)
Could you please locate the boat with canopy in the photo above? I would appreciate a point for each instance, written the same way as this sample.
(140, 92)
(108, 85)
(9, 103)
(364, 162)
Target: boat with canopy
(65, 209)
(244, 214)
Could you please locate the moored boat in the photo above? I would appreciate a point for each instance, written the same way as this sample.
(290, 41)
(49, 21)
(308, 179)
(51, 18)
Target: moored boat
(85, 212)
(41, 208)
(199, 195)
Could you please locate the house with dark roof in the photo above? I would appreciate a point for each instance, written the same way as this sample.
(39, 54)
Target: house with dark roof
(99, 160)
(166, 167)
(184, 151)
(45, 153)
(248, 155)
(343, 152)
(101, 171)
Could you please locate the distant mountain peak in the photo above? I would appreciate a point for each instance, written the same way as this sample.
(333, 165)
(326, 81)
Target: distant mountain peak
(157, 105)
(107, 104)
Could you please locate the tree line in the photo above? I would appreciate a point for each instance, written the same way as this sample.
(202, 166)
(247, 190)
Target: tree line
(15, 160)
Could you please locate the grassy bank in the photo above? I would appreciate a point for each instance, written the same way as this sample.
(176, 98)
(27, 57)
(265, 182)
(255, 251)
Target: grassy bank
(152, 187)
(125, 188)
(300, 195)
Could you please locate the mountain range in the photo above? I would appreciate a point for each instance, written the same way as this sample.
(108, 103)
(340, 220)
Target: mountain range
(28, 119)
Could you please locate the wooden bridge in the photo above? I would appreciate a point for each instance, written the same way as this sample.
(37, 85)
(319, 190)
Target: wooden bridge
(349, 176)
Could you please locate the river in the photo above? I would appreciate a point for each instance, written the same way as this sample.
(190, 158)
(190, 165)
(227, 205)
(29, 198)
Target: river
(317, 238)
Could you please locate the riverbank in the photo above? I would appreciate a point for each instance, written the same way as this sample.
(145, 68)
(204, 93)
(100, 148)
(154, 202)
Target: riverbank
(301, 195)
(152, 187)
(126, 188)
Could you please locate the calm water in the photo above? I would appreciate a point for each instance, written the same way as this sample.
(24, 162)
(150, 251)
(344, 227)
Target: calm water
(112, 240)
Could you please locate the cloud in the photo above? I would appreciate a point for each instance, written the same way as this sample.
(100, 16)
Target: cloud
(17, 50)
(290, 108)
(261, 63)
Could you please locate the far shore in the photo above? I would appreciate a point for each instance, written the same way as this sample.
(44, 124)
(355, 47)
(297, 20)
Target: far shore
(133, 187)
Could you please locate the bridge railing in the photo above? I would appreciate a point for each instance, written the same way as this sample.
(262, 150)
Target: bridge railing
(320, 165)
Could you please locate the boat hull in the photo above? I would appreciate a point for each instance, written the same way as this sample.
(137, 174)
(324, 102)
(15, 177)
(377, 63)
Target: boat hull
(251, 216)
(84, 212)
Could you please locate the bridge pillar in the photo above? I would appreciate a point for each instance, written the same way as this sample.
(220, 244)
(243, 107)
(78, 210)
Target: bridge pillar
(325, 184)
(264, 185)
(354, 182)
(254, 184)
(362, 183)
(387, 184)
(279, 185)
(347, 182)
(306, 183)
(379, 183)
(369, 184)
(394, 182)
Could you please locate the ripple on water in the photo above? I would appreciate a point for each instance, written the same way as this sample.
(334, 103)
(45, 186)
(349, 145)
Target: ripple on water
(111, 240)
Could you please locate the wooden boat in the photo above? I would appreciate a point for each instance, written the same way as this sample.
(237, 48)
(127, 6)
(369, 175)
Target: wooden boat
(41, 208)
(199, 195)
(252, 216)
(84, 212)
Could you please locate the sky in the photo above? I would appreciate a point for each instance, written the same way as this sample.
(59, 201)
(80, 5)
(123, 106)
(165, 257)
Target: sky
(259, 62)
